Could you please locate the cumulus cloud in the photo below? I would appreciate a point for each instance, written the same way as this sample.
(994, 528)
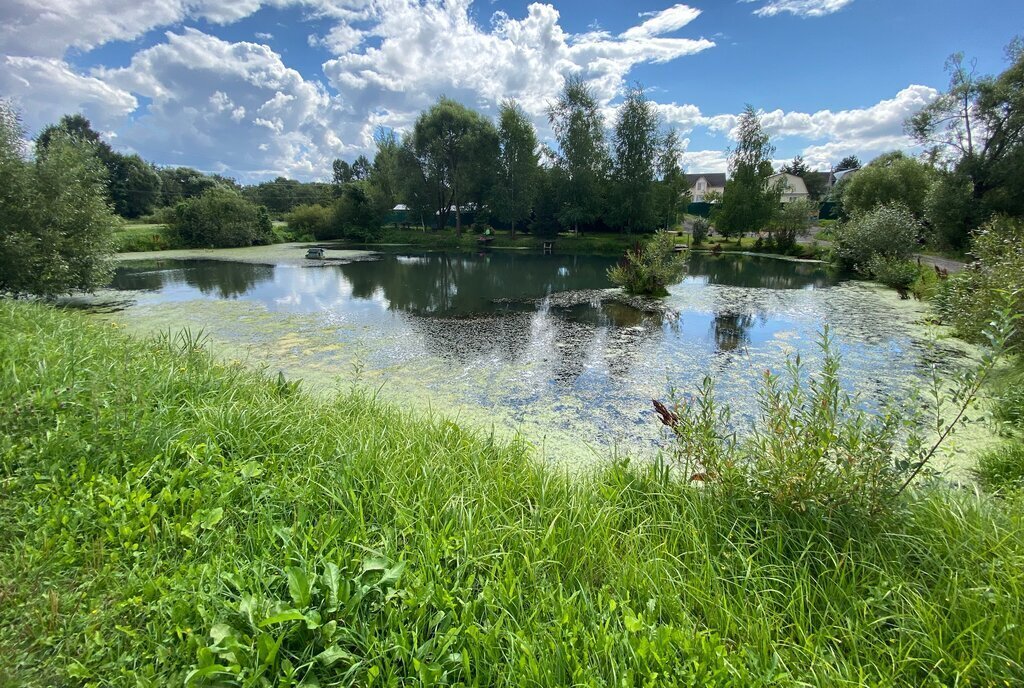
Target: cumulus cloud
(800, 8)
(832, 135)
(47, 88)
(227, 107)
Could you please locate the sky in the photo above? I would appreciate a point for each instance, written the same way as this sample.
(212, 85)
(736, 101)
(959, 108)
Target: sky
(256, 89)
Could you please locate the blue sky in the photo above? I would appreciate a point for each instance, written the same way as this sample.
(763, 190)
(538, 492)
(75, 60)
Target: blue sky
(256, 89)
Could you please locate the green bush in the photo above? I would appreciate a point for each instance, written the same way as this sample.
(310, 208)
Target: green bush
(700, 231)
(649, 268)
(890, 231)
(357, 215)
(160, 216)
(898, 273)
(968, 299)
(814, 449)
(791, 220)
(55, 222)
(313, 220)
(221, 218)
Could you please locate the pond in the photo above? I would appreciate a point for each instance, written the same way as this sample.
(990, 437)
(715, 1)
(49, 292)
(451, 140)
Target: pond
(535, 343)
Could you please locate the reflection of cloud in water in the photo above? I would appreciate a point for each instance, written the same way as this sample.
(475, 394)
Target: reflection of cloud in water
(541, 342)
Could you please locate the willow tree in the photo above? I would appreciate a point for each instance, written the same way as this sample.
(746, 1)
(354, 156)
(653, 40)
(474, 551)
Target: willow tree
(457, 147)
(55, 220)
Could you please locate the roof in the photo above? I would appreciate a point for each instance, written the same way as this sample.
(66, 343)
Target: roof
(714, 179)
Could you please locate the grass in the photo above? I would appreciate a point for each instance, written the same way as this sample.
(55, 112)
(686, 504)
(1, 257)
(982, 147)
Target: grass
(130, 238)
(170, 519)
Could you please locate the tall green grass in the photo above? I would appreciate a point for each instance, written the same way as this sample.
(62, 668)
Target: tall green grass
(169, 519)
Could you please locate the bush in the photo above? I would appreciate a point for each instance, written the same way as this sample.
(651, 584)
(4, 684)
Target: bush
(701, 229)
(221, 218)
(968, 299)
(357, 216)
(314, 220)
(890, 231)
(897, 273)
(648, 269)
(160, 216)
(55, 222)
(814, 448)
(791, 221)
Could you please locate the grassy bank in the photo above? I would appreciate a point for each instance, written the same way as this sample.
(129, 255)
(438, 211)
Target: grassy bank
(143, 237)
(168, 518)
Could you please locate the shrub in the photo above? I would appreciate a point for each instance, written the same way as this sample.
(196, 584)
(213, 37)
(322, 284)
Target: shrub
(813, 447)
(55, 222)
(357, 217)
(888, 230)
(790, 221)
(701, 229)
(314, 220)
(221, 218)
(648, 269)
(968, 299)
(897, 273)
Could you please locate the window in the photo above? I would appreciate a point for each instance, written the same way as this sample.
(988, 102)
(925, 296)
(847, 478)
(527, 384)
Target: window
(701, 185)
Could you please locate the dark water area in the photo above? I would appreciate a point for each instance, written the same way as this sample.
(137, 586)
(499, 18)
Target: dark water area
(538, 343)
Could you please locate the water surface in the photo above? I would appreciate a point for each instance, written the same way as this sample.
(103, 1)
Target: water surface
(541, 344)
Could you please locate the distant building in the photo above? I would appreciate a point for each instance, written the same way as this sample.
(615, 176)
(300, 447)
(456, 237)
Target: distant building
(839, 175)
(701, 184)
(793, 187)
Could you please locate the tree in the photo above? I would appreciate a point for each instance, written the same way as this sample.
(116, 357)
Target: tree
(356, 215)
(976, 129)
(636, 146)
(649, 268)
(134, 185)
(342, 171)
(671, 191)
(418, 186)
(889, 178)
(749, 202)
(887, 231)
(850, 162)
(456, 146)
(181, 183)
(55, 222)
(579, 129)
(518, 162)
(383, 176)
(222, 218)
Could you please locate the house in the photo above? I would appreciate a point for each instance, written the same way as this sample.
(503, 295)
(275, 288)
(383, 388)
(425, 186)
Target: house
(793, 187)
(701, 184)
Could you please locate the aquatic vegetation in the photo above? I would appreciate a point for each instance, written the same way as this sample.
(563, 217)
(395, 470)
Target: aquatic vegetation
(648, 268)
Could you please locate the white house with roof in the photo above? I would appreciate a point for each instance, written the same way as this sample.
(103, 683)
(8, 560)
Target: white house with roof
(702, 184)
(793, 187)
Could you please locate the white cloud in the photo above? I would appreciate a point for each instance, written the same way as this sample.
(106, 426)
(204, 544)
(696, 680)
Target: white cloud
(831, 135)
(202, 90)
(800, 8)
(47, 88)
(665, 21)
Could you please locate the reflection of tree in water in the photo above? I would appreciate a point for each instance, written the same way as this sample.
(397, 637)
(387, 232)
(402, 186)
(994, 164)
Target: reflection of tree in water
(222, 278)
(760, 272)
(731, 330)
(228, 280)
(458, 285)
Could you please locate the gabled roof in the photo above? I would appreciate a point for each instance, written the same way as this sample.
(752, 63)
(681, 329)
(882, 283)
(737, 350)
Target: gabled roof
(714, 179)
